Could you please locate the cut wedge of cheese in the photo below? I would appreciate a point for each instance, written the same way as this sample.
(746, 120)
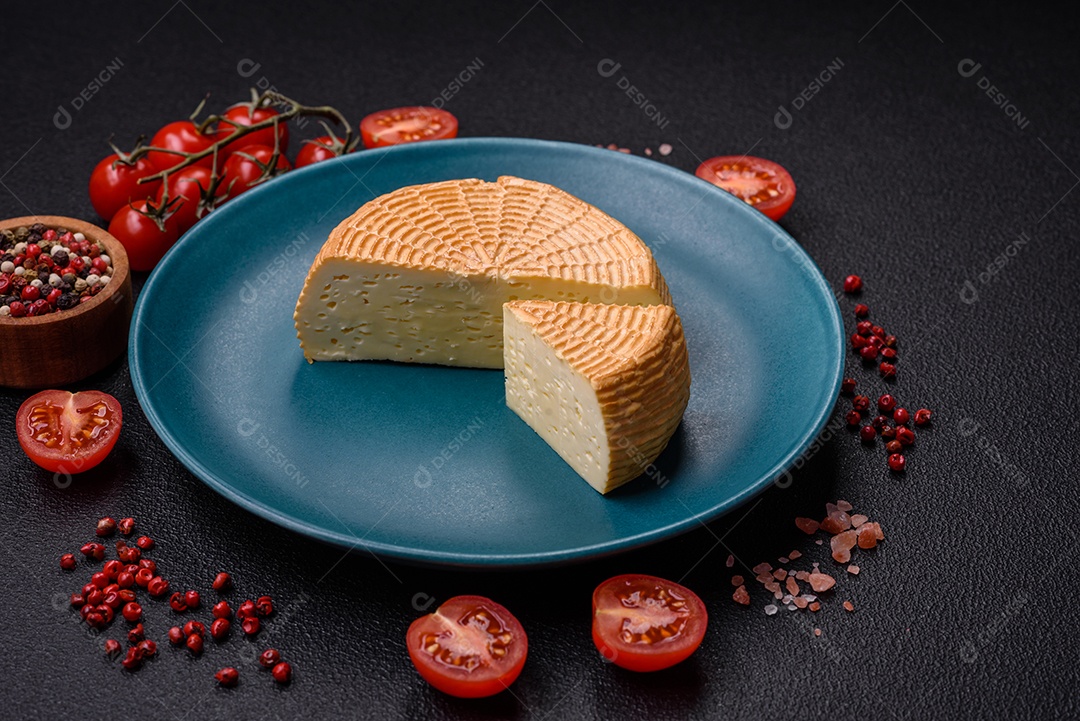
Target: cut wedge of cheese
(421, 274)
(604, 385)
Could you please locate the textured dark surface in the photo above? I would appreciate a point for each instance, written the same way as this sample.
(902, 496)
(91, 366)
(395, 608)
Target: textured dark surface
(908, 173)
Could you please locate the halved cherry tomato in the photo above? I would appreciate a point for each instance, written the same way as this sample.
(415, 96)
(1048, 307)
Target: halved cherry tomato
(183, 135)
(644, 623)
(68, 432)
(144, 242)
(315, 151)
(470, 647)
(244, 114)
(407, 125)
(241, 172)
(114, 184)
(763, 184)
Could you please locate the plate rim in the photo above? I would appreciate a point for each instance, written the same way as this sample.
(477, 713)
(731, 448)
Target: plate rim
(422, 556)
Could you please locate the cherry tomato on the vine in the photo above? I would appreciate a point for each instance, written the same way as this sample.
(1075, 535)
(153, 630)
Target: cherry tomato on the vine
(184, 136)
(190, 184)
(644, 623)
(314, 151)
(241, 171)
(114, 184)
(407, 125)
(68, 432)
(144, 242)
(470, 647)
(244, 114)
(763, 184)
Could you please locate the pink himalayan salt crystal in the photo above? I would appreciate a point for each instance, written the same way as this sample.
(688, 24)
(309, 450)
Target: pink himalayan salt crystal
(730, 561)
(761, 568)
(736, 580)
(849, 606)
(648, 151)
(771, 610)
(815, 606)
(843, 505)
(778, 594)
(763, 578)
(780, 574)
(800, 602)
(853, 570)
(842, 544)
(819, 542)
(792, 586)
(858, 519)
(807, 525)
(741, 596)
(821, 582)
(665, 148)
(772, 586)
(802, 576)
(784, 559)
(794, 554)
(867, 537)
(836, 522)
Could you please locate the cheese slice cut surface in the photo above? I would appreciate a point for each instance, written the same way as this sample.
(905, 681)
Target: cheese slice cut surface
(605, 385)
(421, 274)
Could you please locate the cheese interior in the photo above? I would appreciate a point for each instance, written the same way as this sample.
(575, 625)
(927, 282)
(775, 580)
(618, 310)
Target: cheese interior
(604, 385)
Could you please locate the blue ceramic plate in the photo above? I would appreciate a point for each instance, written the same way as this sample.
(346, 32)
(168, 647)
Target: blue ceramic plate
(426, 463)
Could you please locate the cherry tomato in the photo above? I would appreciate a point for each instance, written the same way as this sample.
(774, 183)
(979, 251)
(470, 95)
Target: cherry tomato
(68, 432)
(114, 184)
(241, 172)
(182, 135)
(470, 647)
(245, 114)
(144, 242)
(763, 184)
(315, 151)
(189, 184)
(407, 125)
(644, 623)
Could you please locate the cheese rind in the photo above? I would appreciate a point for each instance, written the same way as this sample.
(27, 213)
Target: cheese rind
(420, 274)
(604, 385)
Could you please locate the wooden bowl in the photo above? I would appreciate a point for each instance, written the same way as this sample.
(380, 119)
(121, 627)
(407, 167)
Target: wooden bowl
(68, 345)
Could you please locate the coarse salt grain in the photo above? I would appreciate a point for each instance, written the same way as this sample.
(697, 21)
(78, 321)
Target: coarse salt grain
(807, 525)
(648, 151)
(784, 559)
(849, 606)
(794, 554)
(730, 561)
(665, 148)
(770, 610)
(853, 570)
(741, 596)
(821, 582)
(737, 580)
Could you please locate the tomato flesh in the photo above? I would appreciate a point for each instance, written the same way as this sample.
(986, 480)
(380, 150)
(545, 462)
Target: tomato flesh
(407, 125)
(645, 623)
(470, 647)
(68, 432)
(761, 183)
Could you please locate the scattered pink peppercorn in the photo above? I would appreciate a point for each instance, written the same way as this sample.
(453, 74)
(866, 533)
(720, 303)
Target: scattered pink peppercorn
(879, 422)
(886, 403)
(145, 543)
(888, 432)
(893, 446)
(93, 551)
(862, 310)
(888, 353)
(868, 352)
(148, 647)
(125, 579)
(176, 635)
(852, 284)
(176, 602)
(222, 609)
(132, 612)
(269, 658)
(106, 526)
(77, 600)
(129, 554)
(863, 327)
(67, 561)
(112, 569)
(897, 462)
(148, 564)
(219, 629)
(126, 526)
(888, 370)
(191, 598)
(247, 608)
(194, 643)
(112, 647)
(847, 386)
(867, 434)
(227, 676)
(136, 634)
(134, 658)
(905, 435)
(99, 579)
(860, 403)
(922, 416)
(878, 332)
(853, 418)
(282, 672)
(901, 416)
(222, 581)
(194, 628)
(157, 587)
(126, 595)
(890, 341)
(250, 625)
(857, 341)
(264, 605)
(143, 577)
